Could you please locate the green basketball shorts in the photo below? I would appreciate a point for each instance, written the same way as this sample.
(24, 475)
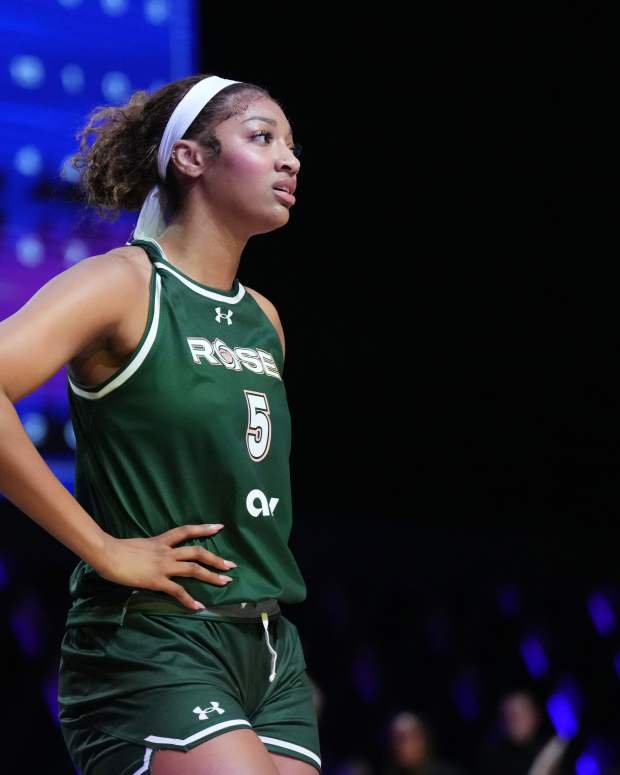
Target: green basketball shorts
(164, 680)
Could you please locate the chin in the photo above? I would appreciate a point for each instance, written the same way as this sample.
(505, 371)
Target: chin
(275, 221)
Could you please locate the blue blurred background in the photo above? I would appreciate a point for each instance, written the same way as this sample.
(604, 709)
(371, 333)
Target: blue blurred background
(60, 61)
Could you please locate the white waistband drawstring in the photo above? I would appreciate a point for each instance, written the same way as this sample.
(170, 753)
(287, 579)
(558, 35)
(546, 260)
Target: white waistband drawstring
(274, 654)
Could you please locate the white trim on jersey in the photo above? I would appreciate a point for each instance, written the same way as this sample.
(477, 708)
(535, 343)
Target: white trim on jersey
(193, 285)
(126, 372)
(202, 291)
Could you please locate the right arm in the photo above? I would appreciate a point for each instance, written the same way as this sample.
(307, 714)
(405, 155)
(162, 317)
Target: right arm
(61, 320)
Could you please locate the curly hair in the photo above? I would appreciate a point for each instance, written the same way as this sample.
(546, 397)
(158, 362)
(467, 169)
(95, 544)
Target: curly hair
(120, 167)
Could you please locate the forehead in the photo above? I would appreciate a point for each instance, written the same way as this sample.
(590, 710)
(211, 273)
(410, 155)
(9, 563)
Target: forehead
(264, 111)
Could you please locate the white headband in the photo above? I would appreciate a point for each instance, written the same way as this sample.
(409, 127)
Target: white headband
(151, 221)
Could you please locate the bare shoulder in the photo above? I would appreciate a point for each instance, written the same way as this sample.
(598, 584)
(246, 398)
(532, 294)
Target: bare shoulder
(122, 273)
(272, 313)
(117, 268)
(74, 314)
(132, 257)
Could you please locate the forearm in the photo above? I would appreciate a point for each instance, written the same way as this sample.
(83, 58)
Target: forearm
(28, 482)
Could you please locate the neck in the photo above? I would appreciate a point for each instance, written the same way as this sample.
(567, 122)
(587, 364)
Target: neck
(202, 246)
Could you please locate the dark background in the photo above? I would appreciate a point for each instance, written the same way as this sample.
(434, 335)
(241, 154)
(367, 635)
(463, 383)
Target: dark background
(447, 286)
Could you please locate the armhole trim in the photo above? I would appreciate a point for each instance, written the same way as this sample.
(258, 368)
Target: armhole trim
(271, 326)
(139, 354)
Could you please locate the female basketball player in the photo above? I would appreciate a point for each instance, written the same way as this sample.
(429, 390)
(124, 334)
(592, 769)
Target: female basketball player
(182, 447)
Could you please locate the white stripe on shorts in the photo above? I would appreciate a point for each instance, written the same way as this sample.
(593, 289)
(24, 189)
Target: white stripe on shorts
(145, 764)
(214, 728)
(291, 746)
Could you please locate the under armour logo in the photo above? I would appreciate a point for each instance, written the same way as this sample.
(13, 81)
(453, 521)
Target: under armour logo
(221, 315)
(202, 714)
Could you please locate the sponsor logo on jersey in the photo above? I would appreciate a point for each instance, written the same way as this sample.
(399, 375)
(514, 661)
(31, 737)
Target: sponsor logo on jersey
(258, 505)
(217, 353)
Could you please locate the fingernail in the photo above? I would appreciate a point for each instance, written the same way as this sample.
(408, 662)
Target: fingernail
(198, 606)
(230, 564)
(226, 578)
(210, 524)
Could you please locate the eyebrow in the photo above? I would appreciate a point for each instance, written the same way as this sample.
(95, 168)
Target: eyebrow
(267, 120)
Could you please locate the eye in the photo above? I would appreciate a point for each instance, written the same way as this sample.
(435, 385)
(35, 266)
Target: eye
(296, 147)
(264, 133)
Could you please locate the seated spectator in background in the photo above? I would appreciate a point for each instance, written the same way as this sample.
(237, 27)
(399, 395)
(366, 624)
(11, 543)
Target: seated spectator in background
(526, 744)
(411, 749)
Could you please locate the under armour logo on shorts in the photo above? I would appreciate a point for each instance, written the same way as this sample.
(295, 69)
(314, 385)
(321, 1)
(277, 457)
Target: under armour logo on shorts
(202, 714)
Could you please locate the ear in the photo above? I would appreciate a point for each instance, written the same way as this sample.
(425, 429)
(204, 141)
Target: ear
(189, 157)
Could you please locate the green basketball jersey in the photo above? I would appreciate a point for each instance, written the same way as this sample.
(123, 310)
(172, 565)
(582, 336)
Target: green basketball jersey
(194, 428)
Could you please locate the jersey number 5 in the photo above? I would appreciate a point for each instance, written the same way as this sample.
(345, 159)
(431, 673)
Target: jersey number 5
(258, 434)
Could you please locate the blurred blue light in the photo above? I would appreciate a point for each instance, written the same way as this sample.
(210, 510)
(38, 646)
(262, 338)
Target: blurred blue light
(29, 250)
(114, 7)
(36, 426)
(27, 71)
(597, 756)
(28, 160)
(534, 656)
(75, 250)
(115, 86)
(586, 764)
(562, 715)
(50, 694)
(156, 11)
(601, 613)
(569, 688)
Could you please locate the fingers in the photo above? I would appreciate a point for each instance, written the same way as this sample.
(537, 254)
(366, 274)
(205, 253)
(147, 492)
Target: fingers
(202, 555)
(178, 592)
(184, 532)
(198, 572)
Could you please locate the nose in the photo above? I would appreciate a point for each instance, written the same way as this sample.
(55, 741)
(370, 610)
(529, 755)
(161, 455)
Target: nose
(289, 161)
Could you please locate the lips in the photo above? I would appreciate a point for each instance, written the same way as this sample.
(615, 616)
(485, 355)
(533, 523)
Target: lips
(284, 196)
(286, 183)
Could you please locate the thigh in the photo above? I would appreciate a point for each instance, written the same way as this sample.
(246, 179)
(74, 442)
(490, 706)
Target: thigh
(232, 753)
(288, 766)
(286, 719)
